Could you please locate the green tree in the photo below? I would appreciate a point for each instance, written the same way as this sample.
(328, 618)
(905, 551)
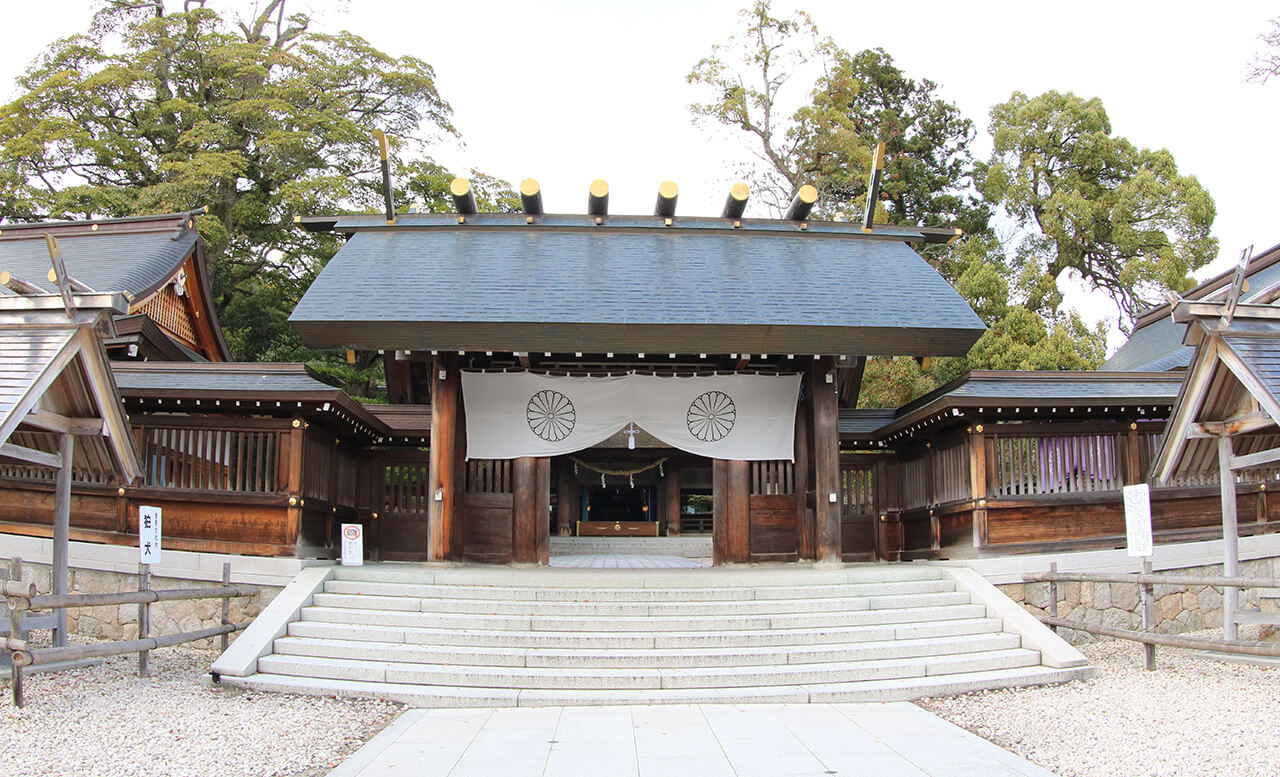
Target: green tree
(1266, 63)
(259, 119)
(856, 100)
(1121, 218)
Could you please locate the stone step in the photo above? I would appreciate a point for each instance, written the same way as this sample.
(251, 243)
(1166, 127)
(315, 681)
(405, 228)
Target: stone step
(693, 609)
(747, 576)
(653, 658)
(719, 594)
(320, 629)
(577, 678)
(652, 623)
(900, 689)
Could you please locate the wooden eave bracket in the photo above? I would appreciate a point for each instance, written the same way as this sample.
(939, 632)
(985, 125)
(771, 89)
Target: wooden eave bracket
(21, 453)
(54, 422)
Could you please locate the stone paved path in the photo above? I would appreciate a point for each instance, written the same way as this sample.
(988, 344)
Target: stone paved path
(806, 740)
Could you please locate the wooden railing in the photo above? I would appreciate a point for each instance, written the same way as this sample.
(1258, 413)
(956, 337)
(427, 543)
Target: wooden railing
(1146, 582)
(212, 459)
(773, 477)
(22, 596)
(1060, 464)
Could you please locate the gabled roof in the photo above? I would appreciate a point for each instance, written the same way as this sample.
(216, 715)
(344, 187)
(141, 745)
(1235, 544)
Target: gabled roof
(1010, 395)
(54, 374)
(269, 388)
(507, 282)
(1232, 385)
(133, 256)
(1156, 344)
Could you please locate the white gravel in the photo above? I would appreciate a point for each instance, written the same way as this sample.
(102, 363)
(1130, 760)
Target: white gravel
(105, 720)
(1190, 717)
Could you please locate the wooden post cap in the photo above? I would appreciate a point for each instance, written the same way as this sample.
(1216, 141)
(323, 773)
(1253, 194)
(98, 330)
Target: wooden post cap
(802, 203)
(463, 198)
(598, 198)
(531, 196)
(667, 194)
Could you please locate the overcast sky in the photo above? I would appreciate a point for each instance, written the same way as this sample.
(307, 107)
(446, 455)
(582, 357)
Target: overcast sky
(568, 91)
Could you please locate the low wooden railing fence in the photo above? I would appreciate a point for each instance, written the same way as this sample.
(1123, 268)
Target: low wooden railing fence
(1146, 581)
(22, 596)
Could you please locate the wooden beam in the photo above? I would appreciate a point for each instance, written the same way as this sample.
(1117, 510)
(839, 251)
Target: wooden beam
(824, 405)
(531, 197)
(1251, 460)
(62, 530)
(526, 511)
(671, 500)
(851, 382)
(736, 204)
(665, 207)
(567, 499)
(1230, 536)
(54, 422)
(801, 204)
(598, 198)
(442, 477)
(11, 451)
(1241, 424)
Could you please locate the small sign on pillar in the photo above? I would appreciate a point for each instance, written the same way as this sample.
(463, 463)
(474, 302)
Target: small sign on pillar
(352, 545)
(149, 535)
(1137, 519)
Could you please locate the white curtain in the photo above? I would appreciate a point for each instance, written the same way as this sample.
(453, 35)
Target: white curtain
(745, 417)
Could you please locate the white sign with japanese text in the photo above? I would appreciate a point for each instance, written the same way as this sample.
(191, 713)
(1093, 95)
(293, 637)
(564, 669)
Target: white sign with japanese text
(352, 545)
(149, 535)
(1137, 519)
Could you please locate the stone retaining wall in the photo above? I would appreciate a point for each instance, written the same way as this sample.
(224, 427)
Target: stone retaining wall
(1177, 609)
(120, 622)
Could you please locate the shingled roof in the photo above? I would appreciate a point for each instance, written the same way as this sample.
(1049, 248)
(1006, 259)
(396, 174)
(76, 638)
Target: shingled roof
(134, 257)
(1156, 344)
(1017, 395)
(508, 282)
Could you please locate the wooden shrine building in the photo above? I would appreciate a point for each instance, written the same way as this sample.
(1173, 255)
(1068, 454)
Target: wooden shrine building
(596, 298)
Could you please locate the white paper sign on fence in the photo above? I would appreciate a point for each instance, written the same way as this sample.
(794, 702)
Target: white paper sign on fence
(149, 535)
(1137, 519)
(352, 545)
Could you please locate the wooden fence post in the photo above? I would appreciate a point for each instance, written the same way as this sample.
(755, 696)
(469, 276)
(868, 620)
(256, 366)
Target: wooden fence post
(226, 605)
(1148, 615)
(144, 620)
(16, 606)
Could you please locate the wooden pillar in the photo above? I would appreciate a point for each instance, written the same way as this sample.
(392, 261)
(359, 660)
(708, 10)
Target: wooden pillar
(291, 466)
(1230, 537)
(530, 510)
(442, 476)
(887, 486)
(805, 548)
(458, 537)
(978, 483)
(731, 495)
(544, 511)
(1133, 473)
(62, 532)
(671, 500)
(566, 499)
(826, 458)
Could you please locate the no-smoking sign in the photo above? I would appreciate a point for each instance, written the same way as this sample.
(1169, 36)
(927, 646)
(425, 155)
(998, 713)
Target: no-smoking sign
(352, 545)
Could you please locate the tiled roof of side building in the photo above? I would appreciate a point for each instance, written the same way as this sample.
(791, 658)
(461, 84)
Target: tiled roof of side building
(1061, 391)
(250, 378)
(687, 290)
(133, 256)
(1156, 343)
(1261, 354)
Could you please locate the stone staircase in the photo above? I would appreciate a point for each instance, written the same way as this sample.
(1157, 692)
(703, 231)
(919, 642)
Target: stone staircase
(451, 637)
